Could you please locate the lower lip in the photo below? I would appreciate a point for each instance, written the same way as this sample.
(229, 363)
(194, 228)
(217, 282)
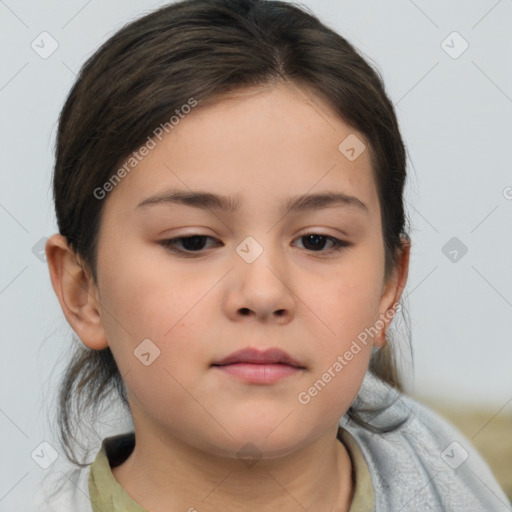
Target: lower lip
(259, 373)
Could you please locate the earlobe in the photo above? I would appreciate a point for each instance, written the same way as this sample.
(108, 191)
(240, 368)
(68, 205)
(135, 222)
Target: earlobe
(76, 292)
(392, 293)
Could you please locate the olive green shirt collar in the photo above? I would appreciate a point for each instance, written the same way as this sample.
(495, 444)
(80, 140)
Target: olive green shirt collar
(107, 495)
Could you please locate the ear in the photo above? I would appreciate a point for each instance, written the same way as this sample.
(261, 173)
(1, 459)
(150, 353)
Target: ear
(76, 291)
(392, 292)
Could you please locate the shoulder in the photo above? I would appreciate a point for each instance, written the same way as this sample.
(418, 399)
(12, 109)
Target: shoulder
(425, 464)
(69, 491)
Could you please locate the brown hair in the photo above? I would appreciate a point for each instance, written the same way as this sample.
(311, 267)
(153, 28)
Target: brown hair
(203, 49)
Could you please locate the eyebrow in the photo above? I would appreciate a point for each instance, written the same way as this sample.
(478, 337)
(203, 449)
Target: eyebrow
(301, 203)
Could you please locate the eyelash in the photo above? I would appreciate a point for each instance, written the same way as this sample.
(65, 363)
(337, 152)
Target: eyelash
(170, 244)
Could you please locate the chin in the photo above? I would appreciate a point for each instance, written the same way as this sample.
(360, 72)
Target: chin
(254, 441)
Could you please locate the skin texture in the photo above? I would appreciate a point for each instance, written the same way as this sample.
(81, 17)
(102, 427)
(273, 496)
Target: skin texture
(267, 145)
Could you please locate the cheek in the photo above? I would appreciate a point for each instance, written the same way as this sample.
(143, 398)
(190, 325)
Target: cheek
(334, 387)
(341, 356)
(169, 314)
(141, 302)
(347, 302)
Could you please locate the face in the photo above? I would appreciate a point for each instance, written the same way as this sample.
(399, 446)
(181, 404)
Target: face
(249, 277)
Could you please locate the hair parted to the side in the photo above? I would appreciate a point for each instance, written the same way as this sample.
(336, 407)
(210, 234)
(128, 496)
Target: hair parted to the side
(204, 49)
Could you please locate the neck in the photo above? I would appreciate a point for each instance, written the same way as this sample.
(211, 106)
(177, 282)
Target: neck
(171, 475)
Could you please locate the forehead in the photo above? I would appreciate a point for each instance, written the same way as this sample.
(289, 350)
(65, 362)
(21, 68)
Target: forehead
(259, 144)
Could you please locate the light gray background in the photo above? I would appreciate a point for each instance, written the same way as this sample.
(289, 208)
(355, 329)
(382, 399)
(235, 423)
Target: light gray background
(455, 115)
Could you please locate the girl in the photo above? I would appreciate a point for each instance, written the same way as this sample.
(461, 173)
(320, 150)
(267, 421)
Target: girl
(231, 253)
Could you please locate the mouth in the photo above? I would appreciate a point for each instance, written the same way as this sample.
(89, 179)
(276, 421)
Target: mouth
(259, 367)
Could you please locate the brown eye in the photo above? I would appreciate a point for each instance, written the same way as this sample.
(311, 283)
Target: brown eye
(316, 242)
(191, 244)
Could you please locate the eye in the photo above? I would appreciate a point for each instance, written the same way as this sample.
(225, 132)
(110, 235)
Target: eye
(195, 244)
(315, 242)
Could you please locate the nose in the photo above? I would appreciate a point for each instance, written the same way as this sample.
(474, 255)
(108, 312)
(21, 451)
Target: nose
(260, 290)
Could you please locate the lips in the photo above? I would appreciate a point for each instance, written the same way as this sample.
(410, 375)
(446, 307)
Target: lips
(257, 367)
(254, 356)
